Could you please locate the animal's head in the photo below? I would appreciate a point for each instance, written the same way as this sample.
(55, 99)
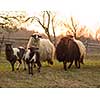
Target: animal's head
(8, 45)
(36, 36)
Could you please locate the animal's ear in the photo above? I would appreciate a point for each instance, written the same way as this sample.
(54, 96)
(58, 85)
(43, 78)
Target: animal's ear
(36, 36)
(40, 36)
(33, 36)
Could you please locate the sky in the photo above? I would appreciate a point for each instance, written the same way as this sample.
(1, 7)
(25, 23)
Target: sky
(87, 12)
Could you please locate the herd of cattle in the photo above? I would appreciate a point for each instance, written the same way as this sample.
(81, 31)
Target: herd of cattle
(38, 49)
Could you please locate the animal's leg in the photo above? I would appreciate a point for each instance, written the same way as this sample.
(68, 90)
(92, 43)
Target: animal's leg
(81, 59)
(20, 62)
(77, 65)
(70, 64)
(50, 62)
(33, 64)
(65, 66)
(24, 65)
(12, 64)
(31, 69)
(39, 66)
(18, 65)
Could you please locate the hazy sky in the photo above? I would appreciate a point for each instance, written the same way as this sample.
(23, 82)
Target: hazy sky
(87, 12)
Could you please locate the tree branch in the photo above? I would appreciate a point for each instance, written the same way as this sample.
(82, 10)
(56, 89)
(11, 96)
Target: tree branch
(48, 13)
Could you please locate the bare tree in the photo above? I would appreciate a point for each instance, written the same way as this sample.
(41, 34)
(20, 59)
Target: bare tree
(53, 28)
(47, 22)
(77, 30)
(10, 22)
(97, 34)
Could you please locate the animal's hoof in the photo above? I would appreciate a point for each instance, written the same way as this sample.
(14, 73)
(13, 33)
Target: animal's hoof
(12, 70)
(68, 67)
(78, 67)
(24, 68)
(83, 63)
(65, 69)
(34, 66)
(17, 69)
(39, 71)
(31, 73)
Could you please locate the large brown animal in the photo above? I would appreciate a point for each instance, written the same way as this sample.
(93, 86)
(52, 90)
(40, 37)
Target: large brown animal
(67, 50)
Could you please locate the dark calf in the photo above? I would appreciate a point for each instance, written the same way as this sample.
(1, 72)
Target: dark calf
(14, 54)
(32, 57)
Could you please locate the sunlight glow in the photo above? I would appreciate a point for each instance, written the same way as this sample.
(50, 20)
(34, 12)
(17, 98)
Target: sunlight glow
(85, 11)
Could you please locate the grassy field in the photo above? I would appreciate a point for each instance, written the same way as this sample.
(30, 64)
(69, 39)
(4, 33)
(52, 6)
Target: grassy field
(53, 76)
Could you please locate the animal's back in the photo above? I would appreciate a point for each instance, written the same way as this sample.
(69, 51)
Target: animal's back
(67, 50)
(81, 47)
(61, 49)
(16, 50)
(73, 51)
(46, 49)
(21, 52)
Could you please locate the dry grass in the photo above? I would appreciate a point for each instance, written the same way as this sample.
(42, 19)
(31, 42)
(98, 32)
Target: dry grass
(53, 76)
